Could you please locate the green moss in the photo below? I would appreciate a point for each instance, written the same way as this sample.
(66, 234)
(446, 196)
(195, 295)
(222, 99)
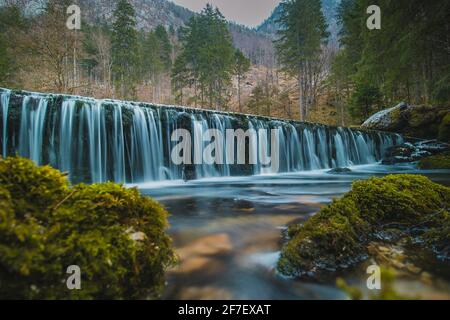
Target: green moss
(444, 129)
(338, 235)
(438, 161)
(387, 291)
(395, 115)
(116, 236)
(438, 237)
(38, 187)
(354, 293)
(419, 121)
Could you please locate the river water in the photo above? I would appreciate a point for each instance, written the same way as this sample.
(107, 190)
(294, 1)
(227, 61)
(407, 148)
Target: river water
(227, 231)
(228, 234)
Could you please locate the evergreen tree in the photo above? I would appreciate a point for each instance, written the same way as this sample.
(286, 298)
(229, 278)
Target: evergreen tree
(11, 22)
(164, 47)
(366, 99)
(407, 59)
(241, 67)
(152, 63)
(181, 78)
(124, 49)
(256, 101)
(208, 57)
(303, 30)
(263, 98)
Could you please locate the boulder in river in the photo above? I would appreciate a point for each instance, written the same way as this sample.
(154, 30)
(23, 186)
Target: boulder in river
(339, 170)
(411, 152)
(438, 161)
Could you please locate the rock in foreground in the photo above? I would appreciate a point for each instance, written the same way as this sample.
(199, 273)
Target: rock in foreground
(114, 235)
(339, 235)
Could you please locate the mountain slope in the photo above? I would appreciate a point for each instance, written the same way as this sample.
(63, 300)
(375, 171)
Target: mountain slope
(151, 13)
(329, 9)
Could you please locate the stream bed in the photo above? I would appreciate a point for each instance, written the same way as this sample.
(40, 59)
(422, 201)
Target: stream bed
(228, 233)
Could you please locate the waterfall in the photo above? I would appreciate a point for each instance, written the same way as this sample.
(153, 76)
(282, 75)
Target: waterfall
(107, 140)
(118, 145)
(341, 152)
(4, 101)
(31, 128)
(65, 135)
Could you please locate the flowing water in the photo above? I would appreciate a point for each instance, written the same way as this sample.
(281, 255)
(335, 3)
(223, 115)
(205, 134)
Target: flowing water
(227, 229)
(107, 140)
(228, 235)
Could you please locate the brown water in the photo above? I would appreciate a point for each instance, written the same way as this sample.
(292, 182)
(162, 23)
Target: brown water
(228, 234)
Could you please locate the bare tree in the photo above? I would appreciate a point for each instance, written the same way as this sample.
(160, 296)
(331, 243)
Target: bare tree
(103, 46)
(55, 45)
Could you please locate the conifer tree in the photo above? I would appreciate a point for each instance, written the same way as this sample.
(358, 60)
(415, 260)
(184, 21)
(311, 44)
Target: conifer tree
(241, 67)
(302, 33)
(207, 57)
(164, 47)
(124, 49)
(406, 60)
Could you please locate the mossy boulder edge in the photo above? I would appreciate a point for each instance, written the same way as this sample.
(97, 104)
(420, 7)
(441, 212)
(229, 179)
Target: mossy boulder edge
(116, 236)
(417, 121)
(438, 161)
(376, 209)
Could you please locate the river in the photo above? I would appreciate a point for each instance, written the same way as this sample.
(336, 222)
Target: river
(227, 231)
(228, 234)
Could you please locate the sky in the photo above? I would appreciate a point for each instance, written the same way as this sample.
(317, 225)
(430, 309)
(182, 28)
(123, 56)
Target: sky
(248, 12)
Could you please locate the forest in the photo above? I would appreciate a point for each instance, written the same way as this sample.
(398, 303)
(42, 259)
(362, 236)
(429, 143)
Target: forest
(197, 64)
(152, 152)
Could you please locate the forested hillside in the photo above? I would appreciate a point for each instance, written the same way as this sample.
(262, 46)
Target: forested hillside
(312, 60)
(329, 8)
(34, 31)
(408, 59)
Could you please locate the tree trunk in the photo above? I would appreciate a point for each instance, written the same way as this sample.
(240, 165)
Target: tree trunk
(300, 95)
(239, 93)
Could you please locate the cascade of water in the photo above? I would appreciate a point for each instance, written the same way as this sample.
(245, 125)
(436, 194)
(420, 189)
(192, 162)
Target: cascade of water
(4, 101)
(118, 146)
(141, 152)
(199, 129)
(255, 126)
(221, 123)
(97, 140)
(171, 118)
(365, 155)
(341, 152)
(310, 150)
(32, 128)
(323, 148)
(94, 115)
(65, 135)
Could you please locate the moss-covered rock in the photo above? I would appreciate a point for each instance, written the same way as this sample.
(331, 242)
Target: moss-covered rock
(438, 161)
(116, 236)
(444, 128)
(419, 121)
(337, 237)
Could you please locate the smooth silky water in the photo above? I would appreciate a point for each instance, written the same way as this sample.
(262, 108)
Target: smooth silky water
(228, 235)
(227, 230)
